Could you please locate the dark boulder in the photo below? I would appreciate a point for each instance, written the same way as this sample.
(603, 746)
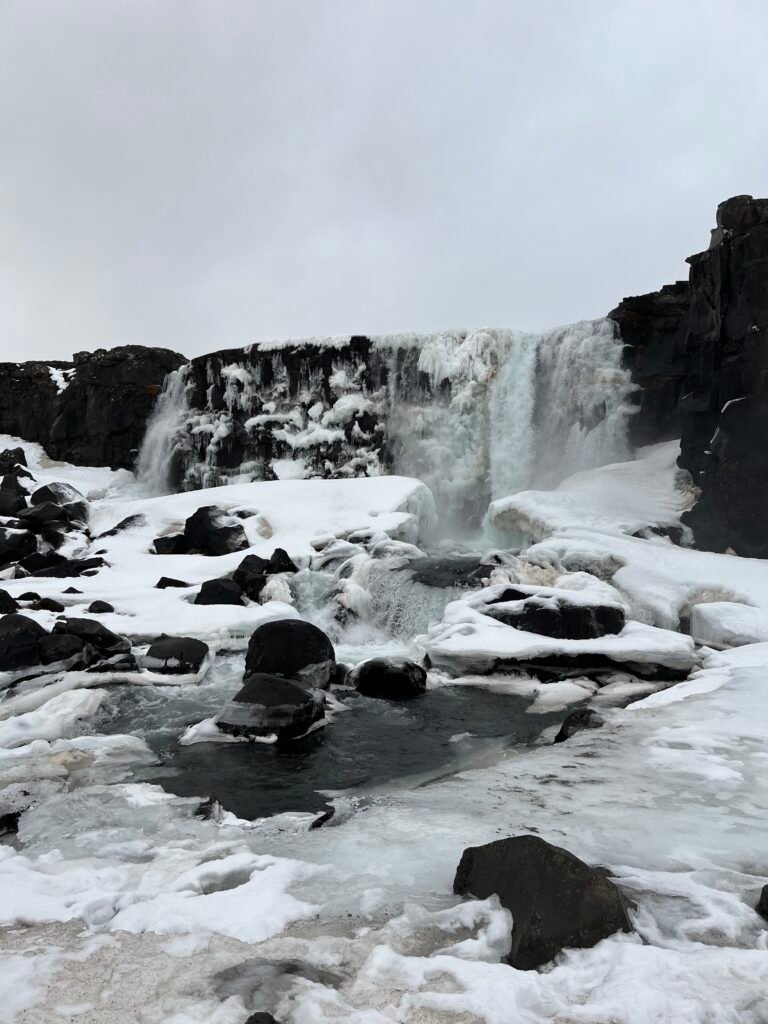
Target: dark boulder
(11, 457)
(262, 1017)
(60, 647)
(172, 544)
(280, 561)
(167, 581)
(74, 507)
(72, 590)
(556, 900)
(47, 604)
(93, 633)
(20, 639)
(100, 607)
(72, 567)
(555, 616)
(269, 704)
(11, 502)
(175, 655)
(7, 603)
(15, 545)
(38, 561)
(578, 721)
(213, 532)
(391, 678)
(29, 595)
(219, 591)
(291, 648)
(251, 575)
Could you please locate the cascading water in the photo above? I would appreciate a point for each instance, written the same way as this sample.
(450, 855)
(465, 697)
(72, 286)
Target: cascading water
(474, 414)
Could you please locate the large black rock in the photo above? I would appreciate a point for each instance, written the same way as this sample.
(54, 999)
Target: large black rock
(213, 532)
(20, 639)
(556, 900)
(391, 678)
(100, 417)
(7, 603)
(555, 616)
(94, 633)
(269, 704)
(72, 567)
(219, 591)
(11, 457)
(15, 545)
(175, 655)
(171, 544)
(291, 648)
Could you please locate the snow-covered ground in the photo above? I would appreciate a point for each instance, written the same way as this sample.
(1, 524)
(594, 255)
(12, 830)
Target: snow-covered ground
(119, 904)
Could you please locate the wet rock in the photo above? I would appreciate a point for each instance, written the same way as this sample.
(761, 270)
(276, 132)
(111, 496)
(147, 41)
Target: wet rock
(262, 1017)
(556, 900)
(11, 457)
(390, 678)
(269, 704)
(450, 571)
(62, 647)
(279, 561)
(94, 633)
(577, 721)
(20, 639)
(167, 581)
(212, 532)
(172, 544)
(251, 575)
(340, 675)
(219, 591)
(175, 655)
(7, 603)
(291, 648)
(100, 607)
(15, 545)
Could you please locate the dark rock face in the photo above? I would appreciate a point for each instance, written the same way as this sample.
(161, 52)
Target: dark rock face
(577, 721)
(212, 532)
(270, 704)
(222, 591)
(557, 901)
(556, 617)
(293, 649)
(175, 655)
(100, 416)
(654, 328)
(725, 399)
(390, 678)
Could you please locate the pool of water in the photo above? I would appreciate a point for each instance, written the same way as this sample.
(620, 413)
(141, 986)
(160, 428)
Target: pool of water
(367, 744)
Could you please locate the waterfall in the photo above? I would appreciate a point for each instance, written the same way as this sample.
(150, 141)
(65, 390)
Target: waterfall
(474, 414)
(154, 464)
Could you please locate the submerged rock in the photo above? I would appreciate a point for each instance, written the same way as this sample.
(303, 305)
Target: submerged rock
(269, 704)
(390, 678)
(556, 900)
(175, 655)
(213, 532)
(291, 648)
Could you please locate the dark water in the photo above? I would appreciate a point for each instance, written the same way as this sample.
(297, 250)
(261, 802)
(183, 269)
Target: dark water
(373, 743)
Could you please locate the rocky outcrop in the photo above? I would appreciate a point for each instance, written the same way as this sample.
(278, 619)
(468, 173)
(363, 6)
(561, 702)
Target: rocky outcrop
(725, 395)
(92, 411)
(653, 328)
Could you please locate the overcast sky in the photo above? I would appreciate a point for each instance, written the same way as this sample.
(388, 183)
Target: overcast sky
(205, 174)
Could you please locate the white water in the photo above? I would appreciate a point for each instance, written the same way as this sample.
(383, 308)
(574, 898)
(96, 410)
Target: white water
(167, 420)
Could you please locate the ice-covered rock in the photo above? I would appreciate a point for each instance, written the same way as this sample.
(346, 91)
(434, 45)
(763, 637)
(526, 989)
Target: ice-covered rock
(268, 704)
(557, 901)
